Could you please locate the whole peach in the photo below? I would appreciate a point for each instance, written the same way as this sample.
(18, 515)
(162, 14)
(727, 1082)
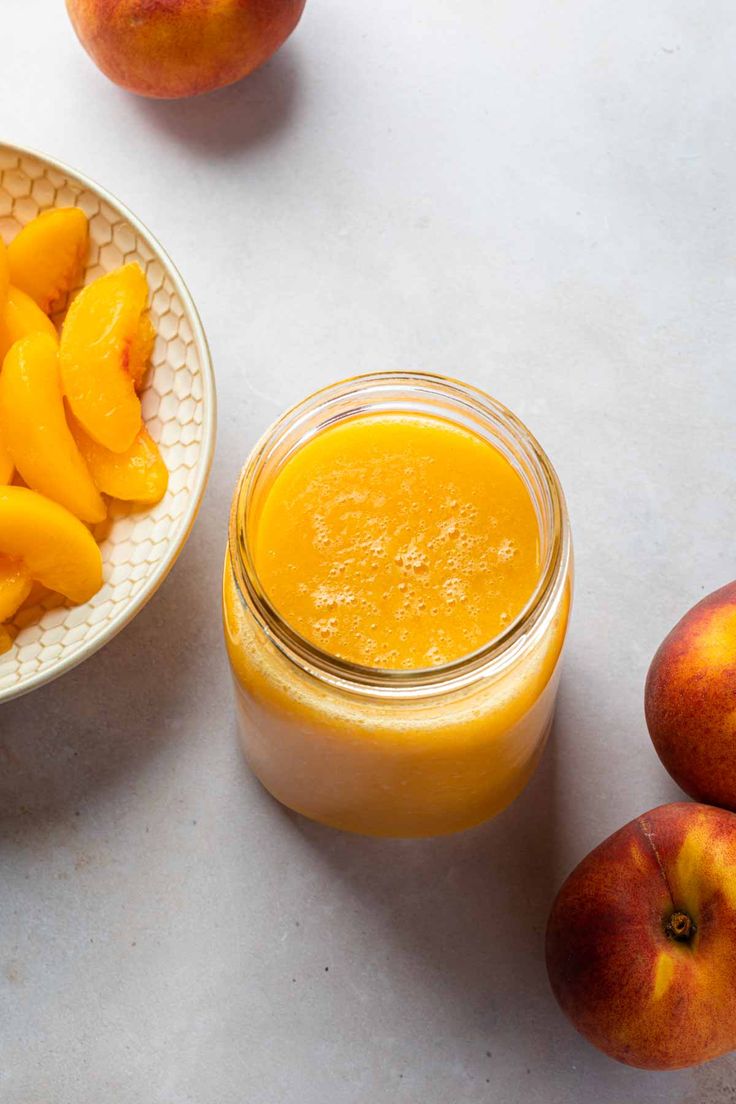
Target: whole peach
(690, 700)
(641, 940)
(174, 48)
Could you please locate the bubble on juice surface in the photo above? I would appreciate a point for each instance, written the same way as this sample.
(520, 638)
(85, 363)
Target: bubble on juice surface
(354, 495)
(453, 590)
(434, 656)
(326, 597)
(377, 547)
(448, 530)
(325, 628)
(506, 551)
(321, 532)
(389, 657)
(365, 650)
(411, 559)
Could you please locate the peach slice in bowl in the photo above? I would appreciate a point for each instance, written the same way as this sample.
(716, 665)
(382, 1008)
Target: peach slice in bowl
(162, 441)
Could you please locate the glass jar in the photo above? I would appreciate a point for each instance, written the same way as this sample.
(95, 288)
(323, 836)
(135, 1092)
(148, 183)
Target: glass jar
(393, 752)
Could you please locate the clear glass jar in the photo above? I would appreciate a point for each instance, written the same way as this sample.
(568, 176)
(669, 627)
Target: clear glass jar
(391, 752)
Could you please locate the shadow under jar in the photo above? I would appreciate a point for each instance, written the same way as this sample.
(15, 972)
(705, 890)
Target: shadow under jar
(385, 750)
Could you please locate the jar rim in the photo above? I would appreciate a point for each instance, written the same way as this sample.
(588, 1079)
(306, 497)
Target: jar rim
(486, 661)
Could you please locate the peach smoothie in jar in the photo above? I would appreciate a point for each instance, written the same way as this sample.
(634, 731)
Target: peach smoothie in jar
(396, 597)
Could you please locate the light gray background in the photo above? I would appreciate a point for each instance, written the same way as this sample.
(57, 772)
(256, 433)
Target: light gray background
(536, 196)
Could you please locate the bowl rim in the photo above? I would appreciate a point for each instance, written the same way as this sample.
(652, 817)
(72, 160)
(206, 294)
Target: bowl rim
(209, 432)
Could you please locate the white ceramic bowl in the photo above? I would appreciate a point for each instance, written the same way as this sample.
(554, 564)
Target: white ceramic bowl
(139, 547)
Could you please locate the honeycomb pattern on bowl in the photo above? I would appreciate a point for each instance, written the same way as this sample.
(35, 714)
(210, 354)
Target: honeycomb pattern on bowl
(138, 546)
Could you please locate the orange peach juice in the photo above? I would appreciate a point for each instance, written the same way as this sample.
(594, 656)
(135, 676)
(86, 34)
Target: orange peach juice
(397, 546)
(398, 542)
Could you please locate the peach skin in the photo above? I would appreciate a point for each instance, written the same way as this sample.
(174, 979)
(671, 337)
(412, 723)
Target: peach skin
(641, 939)
(35, 431)
(690, 700)
(174, 48)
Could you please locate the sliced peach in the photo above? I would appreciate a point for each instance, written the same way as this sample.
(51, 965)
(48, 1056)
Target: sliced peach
(6, 463)
(36, 595)
(141, 349)
(4, 273)
(136, 475)
(35, 431)
(6, 640)
(96, 342)
(47, 256)
(15, 586)
(22, 316)
(56, 548)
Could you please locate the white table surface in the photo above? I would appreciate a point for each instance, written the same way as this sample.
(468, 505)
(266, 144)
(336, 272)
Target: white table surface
(538, 197)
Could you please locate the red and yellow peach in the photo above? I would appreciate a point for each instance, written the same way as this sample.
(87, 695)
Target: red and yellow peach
(690, 700)
(174, 48)
(641, 939)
